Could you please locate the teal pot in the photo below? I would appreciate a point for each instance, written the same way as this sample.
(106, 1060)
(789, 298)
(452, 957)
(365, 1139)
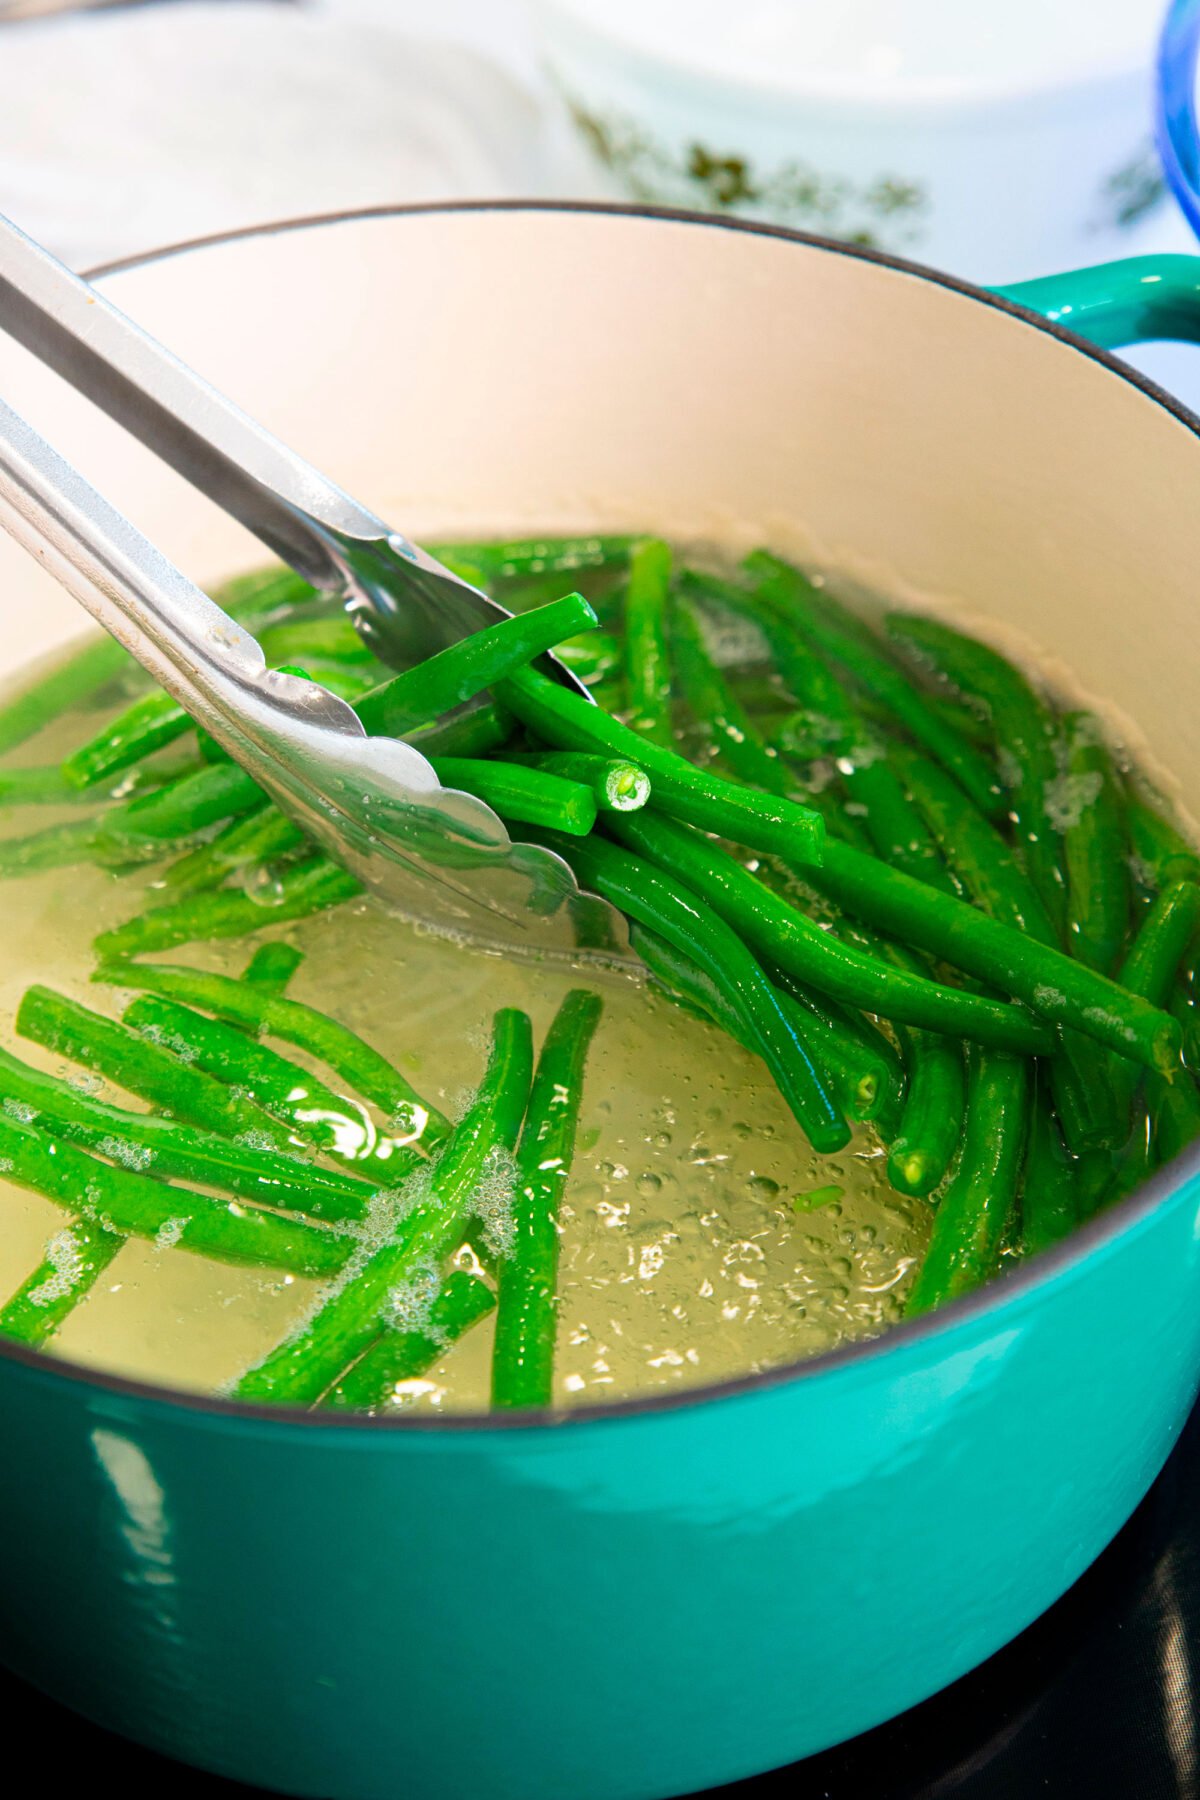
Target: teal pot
(656, 1597)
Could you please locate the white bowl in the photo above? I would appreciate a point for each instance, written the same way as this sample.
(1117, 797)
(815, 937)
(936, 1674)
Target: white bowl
(994, 142)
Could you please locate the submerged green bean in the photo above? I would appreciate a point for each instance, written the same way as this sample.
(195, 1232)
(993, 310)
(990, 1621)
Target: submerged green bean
(312, 1112)
(299, 1370)
(971, 1217)
(124, 1058)
(788, 937)
(257, 837)
(647, 672)
(506, 559)
(397, 1356)
(75, 1259)
(150, 1144)
(1024, 728)
(148, 724)
(859, 1076)
(1061, 990)
(1049, 1196)
(342, 1050)
(527, 1308)
(831, 628)
(272, 966)
(311, 886)
(135, 1206)
(653, 898)
(1094, 849)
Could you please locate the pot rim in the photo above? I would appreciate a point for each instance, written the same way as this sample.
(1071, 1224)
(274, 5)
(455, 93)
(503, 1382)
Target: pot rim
(1107, 1228)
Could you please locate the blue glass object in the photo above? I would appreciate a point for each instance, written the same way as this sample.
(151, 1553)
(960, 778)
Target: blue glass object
(1176, 124)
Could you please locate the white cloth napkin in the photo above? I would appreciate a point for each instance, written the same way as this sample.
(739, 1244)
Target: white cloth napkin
(121, 130)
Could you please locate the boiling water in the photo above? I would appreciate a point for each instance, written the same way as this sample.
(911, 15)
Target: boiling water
(684, 1259)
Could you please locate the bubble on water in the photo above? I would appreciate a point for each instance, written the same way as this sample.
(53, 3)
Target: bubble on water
(763, 1188)
(68, 1266)
(85, 1082)
(137, 1157)
(170, 1232)
(492, 1202)
(1069, 796)
(165, 1039)
(410, 1302)
(649, 1185)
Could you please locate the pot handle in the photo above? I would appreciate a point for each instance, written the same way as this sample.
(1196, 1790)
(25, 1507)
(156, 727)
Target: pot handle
(1131, 302)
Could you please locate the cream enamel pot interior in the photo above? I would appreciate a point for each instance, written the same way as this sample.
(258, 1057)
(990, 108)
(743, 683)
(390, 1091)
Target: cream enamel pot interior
(667, 1595)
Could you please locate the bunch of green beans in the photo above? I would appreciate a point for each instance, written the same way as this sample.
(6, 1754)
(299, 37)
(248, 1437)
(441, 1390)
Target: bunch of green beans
(926, 897)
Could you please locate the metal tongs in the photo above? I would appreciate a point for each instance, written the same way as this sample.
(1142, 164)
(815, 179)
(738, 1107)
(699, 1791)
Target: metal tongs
(374, 804)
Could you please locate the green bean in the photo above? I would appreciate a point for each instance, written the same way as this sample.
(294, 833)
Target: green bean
(121, 1056)
(616, 786)
(569, 722)
(830, 628)
(148, 724)
(594, 658)
(398, 1356)
(311, 886)
(260, 836)
(651, 897)
(139, 829)
(311, 1111)
(1024, 728)
(1049, 1191)
(272, 966)
(647, 673)
(996, 881)
(103, 661)
(527, 1308)
(1152, 961)
(931, 1119)
(299, 1370)
(867, 1071)
(475, 730)
(894, 824)
(57, 847)
(1158, 846)
(147, 1143)
(1094, 849)
(973, 1213)
(175, 812)
(1060, 990)
(858, 1076)
(71, 685)
(1175, 1118)
(333, 639)
(347, 683)
(444, 681)
(75, 1259)
(47, 786)
(342, 1050)
(523, 795)
(713, 703)
(131, 1205)
(1184, 1009)
(504, 560)
(796, 943)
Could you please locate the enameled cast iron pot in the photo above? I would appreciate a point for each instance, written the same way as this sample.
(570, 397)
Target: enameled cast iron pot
(664, 1595)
